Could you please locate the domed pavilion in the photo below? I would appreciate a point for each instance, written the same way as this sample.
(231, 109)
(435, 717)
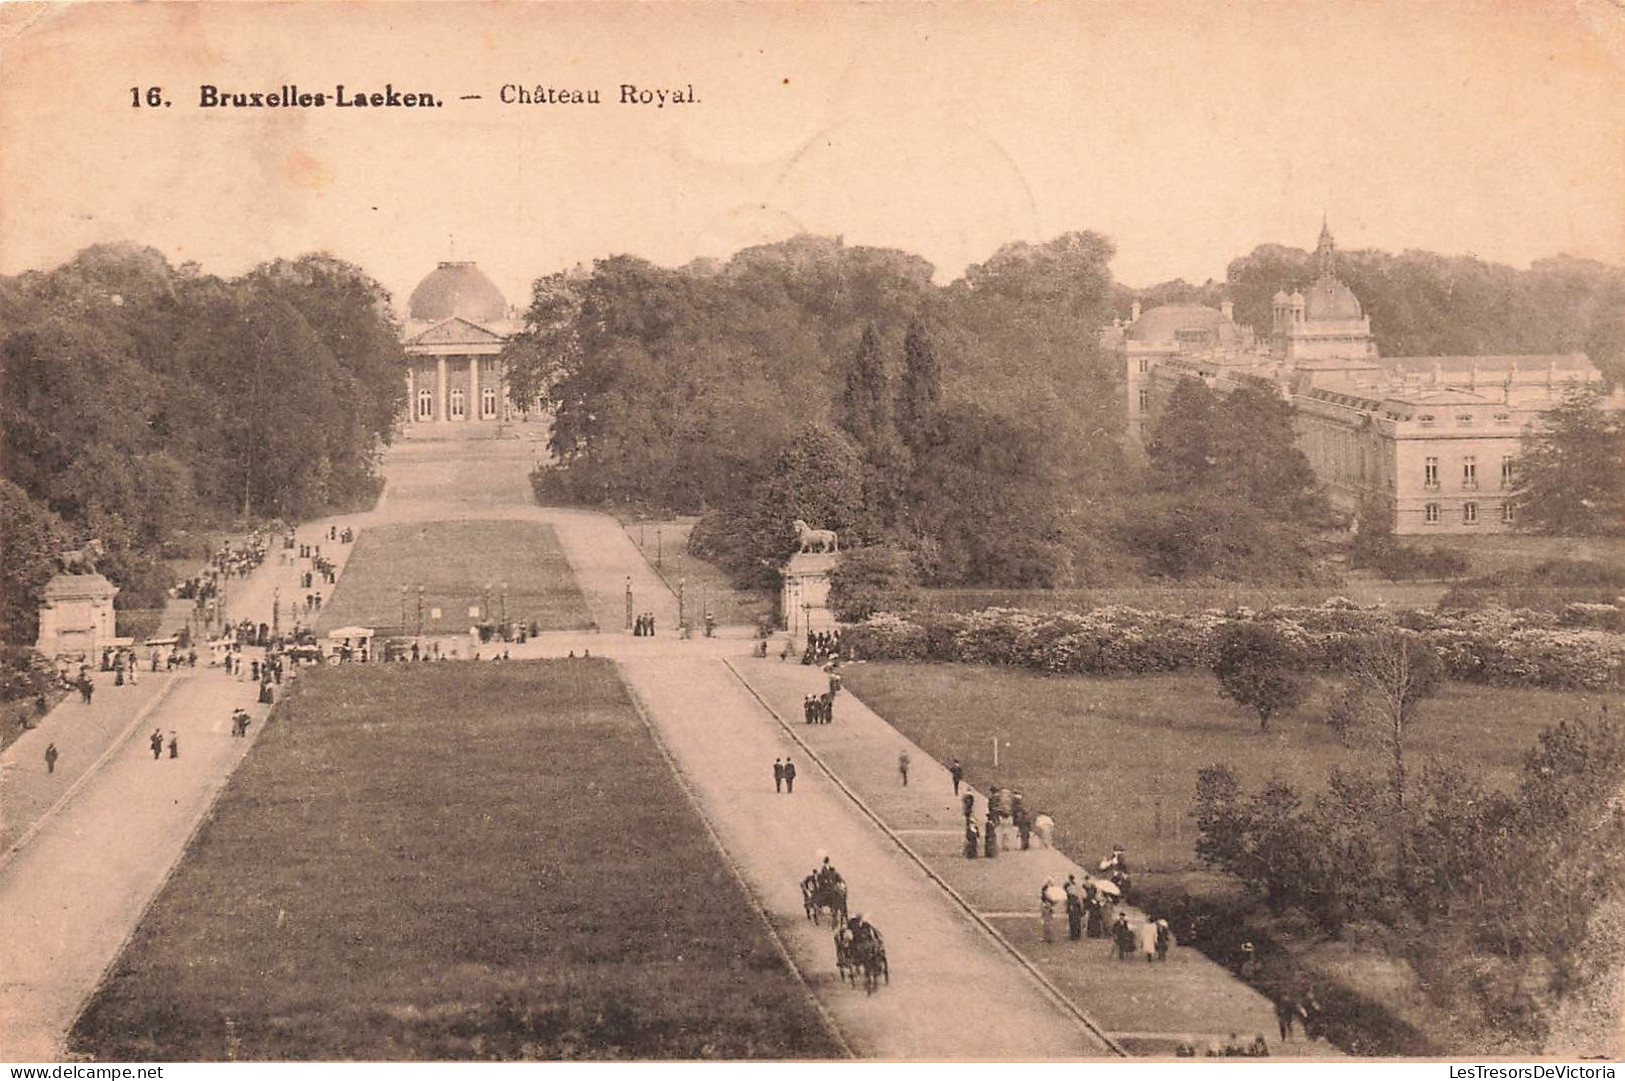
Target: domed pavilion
(457, 324)
(1325, 323)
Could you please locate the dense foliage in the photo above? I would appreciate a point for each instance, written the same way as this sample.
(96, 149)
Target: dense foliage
(967, 424)
(1502, 896)
(1571, 470)
(1567, 650)
(144, 399)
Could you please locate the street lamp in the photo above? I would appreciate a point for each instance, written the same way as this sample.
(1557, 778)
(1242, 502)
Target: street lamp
(276, 610)
(629, 601)
(658, 550)
(485, 602)
(504, 602)
(404, 624)
(420, 611)
(682, 584)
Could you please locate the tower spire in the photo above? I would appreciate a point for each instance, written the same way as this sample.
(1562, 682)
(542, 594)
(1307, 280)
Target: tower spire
(1326, 250)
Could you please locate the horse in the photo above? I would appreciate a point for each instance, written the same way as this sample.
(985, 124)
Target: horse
(869, 955)
(846, 966)
(81, 560)
(815, 540)
(816, 898)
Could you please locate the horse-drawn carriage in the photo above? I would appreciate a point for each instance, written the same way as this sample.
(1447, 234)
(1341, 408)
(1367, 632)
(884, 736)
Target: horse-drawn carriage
(827, 896)
(861, 951)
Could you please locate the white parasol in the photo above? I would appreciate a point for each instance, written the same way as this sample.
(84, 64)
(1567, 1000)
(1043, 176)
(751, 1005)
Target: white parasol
(1109, 888)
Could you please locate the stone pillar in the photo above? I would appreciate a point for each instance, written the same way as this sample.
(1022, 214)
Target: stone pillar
(474, 409)
(411, 395)
(442, 401)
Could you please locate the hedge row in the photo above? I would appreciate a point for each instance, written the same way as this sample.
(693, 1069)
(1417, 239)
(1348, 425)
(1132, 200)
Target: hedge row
(1565, 650)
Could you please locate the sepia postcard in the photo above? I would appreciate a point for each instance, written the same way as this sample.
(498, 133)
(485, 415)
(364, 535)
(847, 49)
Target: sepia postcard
(778, 532)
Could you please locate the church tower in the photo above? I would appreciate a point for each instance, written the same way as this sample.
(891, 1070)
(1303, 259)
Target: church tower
(1325, 252)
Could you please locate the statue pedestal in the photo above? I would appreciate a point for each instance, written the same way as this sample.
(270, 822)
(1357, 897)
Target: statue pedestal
(76, 616)
(804, 599)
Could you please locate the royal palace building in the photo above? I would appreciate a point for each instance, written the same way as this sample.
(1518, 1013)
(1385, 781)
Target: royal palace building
(1435, 438)
(457, 324)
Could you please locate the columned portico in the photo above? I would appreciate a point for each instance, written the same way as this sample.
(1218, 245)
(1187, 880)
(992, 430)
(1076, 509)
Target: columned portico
(441, 403)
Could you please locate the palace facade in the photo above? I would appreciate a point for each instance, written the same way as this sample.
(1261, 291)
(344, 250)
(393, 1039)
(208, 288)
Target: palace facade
(457, 324)
(1434, 438)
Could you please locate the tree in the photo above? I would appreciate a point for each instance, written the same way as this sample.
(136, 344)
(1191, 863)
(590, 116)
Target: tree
(865, 408)
(1181, 447)
(30, 537)
(921, 390)
(1257, 667)
(1570, 473)
(880, 578)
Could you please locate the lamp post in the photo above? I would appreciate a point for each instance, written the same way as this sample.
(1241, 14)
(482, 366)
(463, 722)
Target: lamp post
(420, 611)
(629, 602)
(658, 552)
(504, 602)
(682, 584)
(404, 624)
(485, 602)
(276, 610)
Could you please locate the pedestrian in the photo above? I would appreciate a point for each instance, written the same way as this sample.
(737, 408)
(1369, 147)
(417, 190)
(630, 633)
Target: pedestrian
(1165, 939)
(1147, 937)
(972, 839)
(1074, 909)
(1249, 962)
(967, 804)
(1122, 937)
(990, 836)
(50, 758)
(174, 746)
(957, 772)
(902, 766)
(789, 776)
(778, 775)
(807, 709)
(156, 741)
(1046, 909)
(1024, 826)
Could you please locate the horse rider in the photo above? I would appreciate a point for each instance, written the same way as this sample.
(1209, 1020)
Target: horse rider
(827, 877)
(863, 933)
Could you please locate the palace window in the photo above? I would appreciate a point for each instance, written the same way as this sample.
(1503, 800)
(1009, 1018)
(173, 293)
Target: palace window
(1464, 419)
(425, 404)
(1506, 511)
(1430, 513)
(1503, 418)
(457, 409)
(1469, 472)
(1469, 513)
(1430, 473)
(1145, 365)
(1145, 400)
(1425, 420)
(1506, 470)
(488, 402)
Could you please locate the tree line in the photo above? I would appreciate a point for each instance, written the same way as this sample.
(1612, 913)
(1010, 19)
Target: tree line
(144, 401)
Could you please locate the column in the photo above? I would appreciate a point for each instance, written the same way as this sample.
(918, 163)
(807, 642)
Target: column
(442, 400)
(411, 394)
(474, 409)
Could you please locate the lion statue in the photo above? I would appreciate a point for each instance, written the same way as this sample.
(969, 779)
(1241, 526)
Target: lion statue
(815, 540)
(81, 560)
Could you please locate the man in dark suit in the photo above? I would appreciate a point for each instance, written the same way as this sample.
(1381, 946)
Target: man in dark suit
(789, 776)
(778, 775)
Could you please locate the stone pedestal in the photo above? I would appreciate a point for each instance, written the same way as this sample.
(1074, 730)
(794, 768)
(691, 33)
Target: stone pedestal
(77, 615)
(804, 600)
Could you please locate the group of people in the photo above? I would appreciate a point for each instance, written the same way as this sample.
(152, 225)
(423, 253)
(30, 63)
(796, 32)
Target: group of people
(644, 626)
(1230, 1048)
(239, 722)
(784, 774)
(818, 708)
(156, 742)
(821, 647)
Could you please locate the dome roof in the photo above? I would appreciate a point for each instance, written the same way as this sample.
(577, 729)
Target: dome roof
(1163, 323)
(1281, 297)
(457, 289)
(1330, 300)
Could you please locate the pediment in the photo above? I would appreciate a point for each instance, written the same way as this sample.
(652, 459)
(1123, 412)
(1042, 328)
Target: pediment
(456, 331)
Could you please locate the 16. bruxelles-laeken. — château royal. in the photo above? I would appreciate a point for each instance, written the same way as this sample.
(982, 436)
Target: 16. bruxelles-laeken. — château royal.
(291, 97)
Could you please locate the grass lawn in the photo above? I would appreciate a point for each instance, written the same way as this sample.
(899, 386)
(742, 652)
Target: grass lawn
(455, 562)
(664, 543)
(452, 861)
(1115, 760)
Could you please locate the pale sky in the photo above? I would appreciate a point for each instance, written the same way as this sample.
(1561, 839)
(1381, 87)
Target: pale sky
(1189, 132)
